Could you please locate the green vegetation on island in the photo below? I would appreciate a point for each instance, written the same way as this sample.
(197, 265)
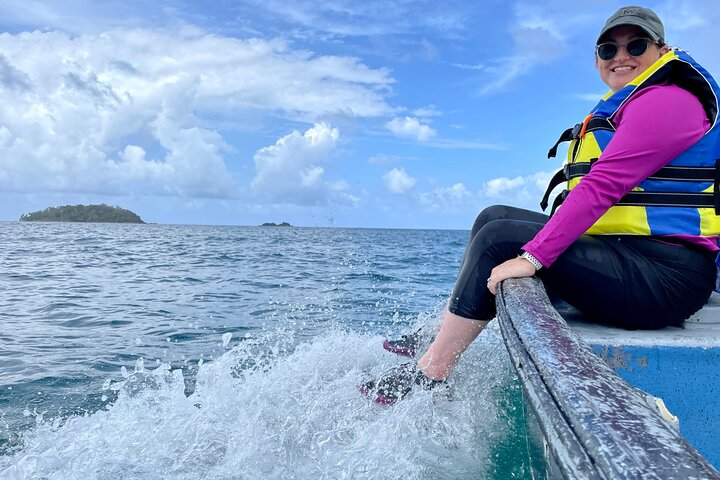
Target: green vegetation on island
(270, 224)
(83, 213)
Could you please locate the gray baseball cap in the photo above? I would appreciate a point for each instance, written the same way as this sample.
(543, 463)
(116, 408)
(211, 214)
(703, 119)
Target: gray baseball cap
(639, 16)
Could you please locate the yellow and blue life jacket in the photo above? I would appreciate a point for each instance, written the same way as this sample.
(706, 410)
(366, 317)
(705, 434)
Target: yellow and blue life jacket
(681, 198)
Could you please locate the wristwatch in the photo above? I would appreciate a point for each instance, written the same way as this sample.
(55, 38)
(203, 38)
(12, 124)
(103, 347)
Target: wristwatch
(535, 262)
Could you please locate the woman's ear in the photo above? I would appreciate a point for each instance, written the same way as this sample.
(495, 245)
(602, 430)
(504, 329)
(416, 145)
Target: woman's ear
(664, 49)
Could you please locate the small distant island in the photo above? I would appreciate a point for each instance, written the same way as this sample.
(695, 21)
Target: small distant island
(83, 213)
(270, 224)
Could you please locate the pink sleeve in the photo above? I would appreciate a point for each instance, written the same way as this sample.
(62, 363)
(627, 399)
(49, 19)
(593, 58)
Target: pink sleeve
(653, 128)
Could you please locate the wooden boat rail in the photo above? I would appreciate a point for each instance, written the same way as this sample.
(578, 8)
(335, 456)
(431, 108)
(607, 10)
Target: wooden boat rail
(595, 424)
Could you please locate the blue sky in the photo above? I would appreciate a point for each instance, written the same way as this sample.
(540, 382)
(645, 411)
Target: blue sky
(408, 114)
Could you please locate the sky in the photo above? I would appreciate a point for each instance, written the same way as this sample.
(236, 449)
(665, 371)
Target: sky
(333, 113)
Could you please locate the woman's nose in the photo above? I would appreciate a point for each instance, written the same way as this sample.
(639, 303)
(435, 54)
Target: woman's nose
(622, 53)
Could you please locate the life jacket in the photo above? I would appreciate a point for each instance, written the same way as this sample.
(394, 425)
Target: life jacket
(681, 198)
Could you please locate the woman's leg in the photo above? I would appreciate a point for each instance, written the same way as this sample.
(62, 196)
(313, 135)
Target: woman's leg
(470, 308)
(501, 212)
(455, 335)
(471, 304)
(407, 344)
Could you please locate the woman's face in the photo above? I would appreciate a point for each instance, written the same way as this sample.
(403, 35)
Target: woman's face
(623, 67)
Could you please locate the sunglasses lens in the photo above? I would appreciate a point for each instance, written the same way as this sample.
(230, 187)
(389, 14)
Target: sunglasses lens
(637, 47)
(607, 51)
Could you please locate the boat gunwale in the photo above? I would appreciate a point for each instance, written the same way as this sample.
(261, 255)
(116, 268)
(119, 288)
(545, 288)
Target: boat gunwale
(571, 389)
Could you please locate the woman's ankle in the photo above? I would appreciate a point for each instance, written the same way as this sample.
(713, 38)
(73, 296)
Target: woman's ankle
(455, 335)
(435, 370)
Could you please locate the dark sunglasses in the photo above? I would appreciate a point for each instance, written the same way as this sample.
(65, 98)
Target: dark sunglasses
(607, 51)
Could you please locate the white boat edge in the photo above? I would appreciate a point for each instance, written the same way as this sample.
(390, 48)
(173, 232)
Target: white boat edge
(702, 330)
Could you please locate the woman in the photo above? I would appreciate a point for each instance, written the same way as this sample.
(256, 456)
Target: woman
(635, 240)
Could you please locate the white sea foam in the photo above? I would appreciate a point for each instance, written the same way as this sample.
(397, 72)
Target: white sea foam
(268, 409)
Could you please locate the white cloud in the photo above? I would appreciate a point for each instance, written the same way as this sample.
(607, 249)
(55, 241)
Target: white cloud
(523, 191)
(536, 40)
(383, 159)
(426, 112)
(410, 127)
(292, 170)
(465, 66)
(129, 110)
(452, 144)
(589, 97)
(520, 189)
(452, 198)
(397, 181)
(693, 26)
(498, 186)
(686, 17)
(350, 18)
(535, 34)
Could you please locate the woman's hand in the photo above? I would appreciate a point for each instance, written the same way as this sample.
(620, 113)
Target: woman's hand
(513, 268)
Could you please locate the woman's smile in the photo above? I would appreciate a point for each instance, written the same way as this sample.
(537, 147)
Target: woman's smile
(623, 74)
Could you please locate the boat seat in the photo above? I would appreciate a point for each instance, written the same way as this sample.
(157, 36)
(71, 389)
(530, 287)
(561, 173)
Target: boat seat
(700, 330)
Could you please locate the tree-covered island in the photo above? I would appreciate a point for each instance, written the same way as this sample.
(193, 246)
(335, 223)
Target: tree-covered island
(271, 224)
(83, 213)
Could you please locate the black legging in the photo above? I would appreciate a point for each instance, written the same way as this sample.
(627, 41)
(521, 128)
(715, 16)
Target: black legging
(629, 281)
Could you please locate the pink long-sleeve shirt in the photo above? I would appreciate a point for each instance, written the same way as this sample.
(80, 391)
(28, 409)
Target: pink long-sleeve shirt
(652, 128)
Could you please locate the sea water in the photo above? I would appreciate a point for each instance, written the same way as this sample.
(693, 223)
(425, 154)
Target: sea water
(189, 352)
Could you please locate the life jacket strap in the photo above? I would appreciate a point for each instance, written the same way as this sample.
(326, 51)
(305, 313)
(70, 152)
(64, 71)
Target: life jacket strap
(574, 170)
(716, 188)
(566, 136)
(556, 180)
(590, 124)
(558, 201)
(568, 171)
(598, 123)
(662, 199)
(657, 199)
(668, 199)
(674, 173)
(686, 174)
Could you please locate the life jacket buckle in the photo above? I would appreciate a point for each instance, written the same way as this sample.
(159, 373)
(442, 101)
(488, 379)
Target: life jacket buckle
(576, 130)
(566, 171)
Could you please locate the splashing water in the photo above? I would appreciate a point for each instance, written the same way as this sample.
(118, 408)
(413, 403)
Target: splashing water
(284, 411)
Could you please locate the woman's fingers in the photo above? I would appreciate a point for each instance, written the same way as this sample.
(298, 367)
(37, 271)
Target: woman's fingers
(513, 268)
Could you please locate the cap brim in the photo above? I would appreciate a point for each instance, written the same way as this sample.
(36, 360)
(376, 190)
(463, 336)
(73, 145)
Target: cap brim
(627, 21)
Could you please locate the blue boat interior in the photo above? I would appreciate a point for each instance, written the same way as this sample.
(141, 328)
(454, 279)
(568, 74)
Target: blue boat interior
(681, 366)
